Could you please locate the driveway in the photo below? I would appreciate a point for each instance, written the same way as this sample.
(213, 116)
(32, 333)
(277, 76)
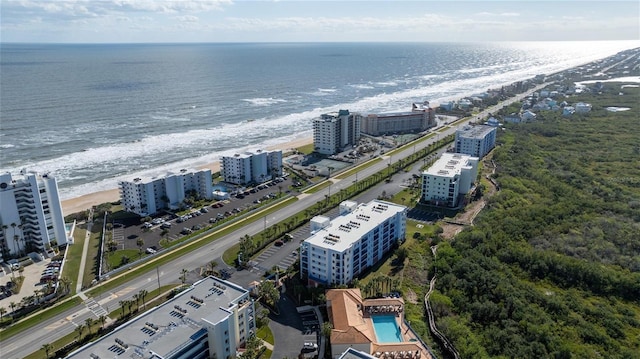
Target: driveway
(288, 331)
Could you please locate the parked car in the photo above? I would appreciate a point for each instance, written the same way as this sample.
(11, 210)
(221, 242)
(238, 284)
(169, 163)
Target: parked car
(310, 346)
(166, 225)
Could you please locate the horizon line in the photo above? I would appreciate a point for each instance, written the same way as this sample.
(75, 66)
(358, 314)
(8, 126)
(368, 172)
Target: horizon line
(307, 42)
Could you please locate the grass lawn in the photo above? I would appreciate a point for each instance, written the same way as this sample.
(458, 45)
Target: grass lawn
(74, 255)
(306, 149)
(318, 187)
(265, 334)
(359, 168)
(115, 258)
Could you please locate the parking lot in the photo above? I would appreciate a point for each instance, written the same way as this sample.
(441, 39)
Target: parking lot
(33, 281)
(171, 227)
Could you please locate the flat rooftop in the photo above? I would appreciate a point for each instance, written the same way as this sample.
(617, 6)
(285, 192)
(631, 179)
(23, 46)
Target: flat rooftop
(382, 116)
(162, 329)
(448, 165)
(151, 179)
(478, 131)
(346, 229)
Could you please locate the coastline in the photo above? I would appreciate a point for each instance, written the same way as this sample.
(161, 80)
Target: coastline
(84, 202)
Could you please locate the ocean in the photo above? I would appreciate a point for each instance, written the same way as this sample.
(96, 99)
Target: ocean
(92, 115)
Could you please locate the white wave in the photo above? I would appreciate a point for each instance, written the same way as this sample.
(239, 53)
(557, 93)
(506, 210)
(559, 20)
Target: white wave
(387, 84)
(327, 90)
(261, 101)
(362, 87)
(7, 145)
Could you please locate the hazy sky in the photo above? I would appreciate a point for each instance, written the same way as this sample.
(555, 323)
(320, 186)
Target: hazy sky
(98, 21)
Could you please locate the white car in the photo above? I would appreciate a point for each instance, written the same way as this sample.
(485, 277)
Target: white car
(310, 346)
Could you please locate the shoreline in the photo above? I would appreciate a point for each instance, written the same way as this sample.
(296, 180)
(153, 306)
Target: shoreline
(84, 202)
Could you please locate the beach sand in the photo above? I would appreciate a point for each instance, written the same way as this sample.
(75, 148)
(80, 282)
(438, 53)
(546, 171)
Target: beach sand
(79, 204)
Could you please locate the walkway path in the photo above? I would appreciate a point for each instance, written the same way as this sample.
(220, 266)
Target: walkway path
(432, 321)
(85, 249)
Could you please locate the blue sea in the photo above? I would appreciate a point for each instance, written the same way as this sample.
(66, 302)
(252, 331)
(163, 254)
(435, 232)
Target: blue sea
(92, 115)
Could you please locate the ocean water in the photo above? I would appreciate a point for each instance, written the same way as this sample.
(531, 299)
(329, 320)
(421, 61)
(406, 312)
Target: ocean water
(92, 115)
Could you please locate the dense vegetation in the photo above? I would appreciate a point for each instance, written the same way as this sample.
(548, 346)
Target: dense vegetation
(552, 266)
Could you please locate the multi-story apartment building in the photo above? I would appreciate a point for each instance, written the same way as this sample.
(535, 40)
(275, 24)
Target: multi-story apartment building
(211, 319)
(30, 215)
(333, 132)
(420, 118)
(146, 196)
(339, 250)
(252, 167)
(450, 177)
(475, 141)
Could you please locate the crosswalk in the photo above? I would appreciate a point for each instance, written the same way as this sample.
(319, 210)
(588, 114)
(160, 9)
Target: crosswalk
(95, 308)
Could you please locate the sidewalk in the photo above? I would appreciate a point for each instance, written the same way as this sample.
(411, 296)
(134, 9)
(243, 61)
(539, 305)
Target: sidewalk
(85, 249)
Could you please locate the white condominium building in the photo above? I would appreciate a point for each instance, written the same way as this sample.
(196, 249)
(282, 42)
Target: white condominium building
(257, 167)
(340, 249)
(475, 141)
(212, 319)
(30, 215)
(146, 196)
(450, 177)
(333, 132)
(420, 118)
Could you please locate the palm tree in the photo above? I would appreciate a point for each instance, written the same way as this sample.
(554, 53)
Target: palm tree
(211, 266)
(3, 311)
(136, 297)
(140, 244)
(183, 275)
(102, 319)
(65, 282)
(142, 294)
(122, 304)
(47, 349)
(24, 243)
(80, 330)
(326, 329)
(13, 306)
(89, 322)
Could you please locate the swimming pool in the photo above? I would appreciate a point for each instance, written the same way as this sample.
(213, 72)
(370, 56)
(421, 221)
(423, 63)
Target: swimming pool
(387, 330)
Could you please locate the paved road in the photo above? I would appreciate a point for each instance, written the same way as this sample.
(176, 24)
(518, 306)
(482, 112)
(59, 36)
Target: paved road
(50, 330)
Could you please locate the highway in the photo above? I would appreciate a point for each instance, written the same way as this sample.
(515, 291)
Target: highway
(50, 330)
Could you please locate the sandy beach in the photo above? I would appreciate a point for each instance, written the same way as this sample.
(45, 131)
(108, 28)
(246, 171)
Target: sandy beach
(78, 204)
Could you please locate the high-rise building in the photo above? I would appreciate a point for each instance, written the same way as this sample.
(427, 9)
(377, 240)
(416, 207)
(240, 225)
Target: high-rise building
(450, 177)
(333, 132)
(146, 196)
(211, 319)
(475, 141)
(339, 250)
(420, 118)
(258, 167)
(30, 214)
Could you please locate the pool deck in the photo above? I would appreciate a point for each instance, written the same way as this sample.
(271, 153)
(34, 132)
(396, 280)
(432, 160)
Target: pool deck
(351, 317)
